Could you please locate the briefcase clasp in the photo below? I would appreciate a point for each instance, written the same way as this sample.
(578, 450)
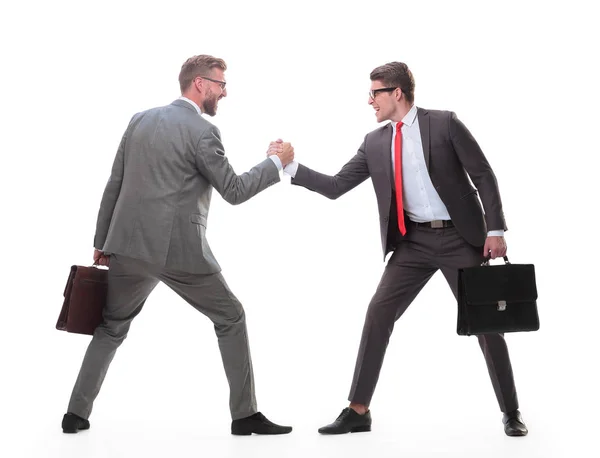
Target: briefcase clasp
(501, 306)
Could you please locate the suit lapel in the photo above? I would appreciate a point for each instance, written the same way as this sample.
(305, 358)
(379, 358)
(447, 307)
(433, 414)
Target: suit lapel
(423, 117)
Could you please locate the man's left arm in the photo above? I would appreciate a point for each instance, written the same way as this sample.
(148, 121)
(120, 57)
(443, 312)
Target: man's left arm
(477, 166)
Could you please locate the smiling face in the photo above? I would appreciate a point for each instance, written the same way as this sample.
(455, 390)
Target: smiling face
(202, 80)
(392, 91)
(384, 100)
(213, 91)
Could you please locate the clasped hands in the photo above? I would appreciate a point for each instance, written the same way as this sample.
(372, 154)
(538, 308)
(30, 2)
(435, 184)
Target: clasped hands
(283, 150)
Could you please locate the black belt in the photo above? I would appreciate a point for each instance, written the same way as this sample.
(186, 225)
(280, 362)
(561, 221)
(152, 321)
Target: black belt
(437, 224)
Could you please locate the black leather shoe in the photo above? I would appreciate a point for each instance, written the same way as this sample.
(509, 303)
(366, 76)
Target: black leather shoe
(513, 424)
(349, 421)
(72, 423)
(257, 424)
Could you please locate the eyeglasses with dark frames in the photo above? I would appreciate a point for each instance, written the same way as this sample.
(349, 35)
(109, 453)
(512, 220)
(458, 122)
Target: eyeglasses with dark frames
(373, 92)
(220, 83)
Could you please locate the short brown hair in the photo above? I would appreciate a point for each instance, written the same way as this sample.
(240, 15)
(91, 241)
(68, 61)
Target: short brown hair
(198, 66)
(396, 74)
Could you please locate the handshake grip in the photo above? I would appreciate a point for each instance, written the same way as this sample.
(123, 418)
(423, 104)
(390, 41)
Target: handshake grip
(283, 150)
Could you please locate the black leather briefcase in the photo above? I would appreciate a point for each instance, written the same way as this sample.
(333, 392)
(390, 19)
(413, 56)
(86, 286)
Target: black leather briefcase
(497, 299)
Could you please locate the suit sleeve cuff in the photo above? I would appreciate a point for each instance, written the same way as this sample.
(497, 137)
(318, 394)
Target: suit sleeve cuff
(291, 169)
(276, 161)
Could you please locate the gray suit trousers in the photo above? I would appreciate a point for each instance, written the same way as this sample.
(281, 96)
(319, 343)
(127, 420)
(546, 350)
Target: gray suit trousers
(130, 282)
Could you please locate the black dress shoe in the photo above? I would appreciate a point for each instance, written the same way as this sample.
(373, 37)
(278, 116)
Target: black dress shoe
(72, 423)
(257, 424)
(349, 421)
(513, 424)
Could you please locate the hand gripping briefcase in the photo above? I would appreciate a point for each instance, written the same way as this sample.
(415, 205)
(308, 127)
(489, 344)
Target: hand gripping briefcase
(497, 299)
(85, 298)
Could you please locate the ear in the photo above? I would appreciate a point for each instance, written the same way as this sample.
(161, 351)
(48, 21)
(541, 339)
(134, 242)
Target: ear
(399, 95)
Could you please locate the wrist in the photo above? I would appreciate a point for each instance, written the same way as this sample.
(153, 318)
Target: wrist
(283, 161)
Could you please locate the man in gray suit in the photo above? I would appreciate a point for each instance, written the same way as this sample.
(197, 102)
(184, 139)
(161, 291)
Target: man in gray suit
(430, 218)
(151, 227)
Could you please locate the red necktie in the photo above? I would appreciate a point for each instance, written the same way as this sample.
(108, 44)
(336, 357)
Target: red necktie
(398, 177)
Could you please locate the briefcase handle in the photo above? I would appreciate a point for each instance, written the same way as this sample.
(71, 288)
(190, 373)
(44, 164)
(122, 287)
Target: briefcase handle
(486, 262)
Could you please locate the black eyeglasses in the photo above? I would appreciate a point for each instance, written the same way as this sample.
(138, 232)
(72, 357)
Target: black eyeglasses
(220, 83)
(373, 92)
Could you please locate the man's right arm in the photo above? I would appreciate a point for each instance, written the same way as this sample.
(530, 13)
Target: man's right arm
(353, 173)
(235, 189)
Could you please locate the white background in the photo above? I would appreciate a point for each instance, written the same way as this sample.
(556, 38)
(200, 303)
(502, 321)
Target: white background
(523, 78)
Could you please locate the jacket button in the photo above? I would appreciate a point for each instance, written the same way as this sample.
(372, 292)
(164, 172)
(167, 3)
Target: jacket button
(386, 219)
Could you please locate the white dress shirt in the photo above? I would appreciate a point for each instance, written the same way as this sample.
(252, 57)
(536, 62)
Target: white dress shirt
(421, 201)
(274, 157)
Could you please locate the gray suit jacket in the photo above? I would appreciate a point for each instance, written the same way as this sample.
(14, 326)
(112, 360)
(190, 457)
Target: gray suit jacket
(156, 203)
(452, 156)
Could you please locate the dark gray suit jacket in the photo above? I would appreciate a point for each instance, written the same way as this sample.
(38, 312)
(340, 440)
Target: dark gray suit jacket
(452, 156)
(156, 203)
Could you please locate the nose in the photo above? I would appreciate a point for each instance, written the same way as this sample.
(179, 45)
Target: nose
(370, 102)
(224, 93)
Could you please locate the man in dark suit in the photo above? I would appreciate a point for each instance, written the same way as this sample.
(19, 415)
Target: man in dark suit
(430, 218)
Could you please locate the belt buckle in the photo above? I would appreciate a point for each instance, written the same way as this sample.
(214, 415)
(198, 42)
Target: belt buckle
(437, 224)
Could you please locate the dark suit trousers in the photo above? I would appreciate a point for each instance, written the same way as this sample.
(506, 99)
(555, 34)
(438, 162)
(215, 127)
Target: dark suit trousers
(422, 252)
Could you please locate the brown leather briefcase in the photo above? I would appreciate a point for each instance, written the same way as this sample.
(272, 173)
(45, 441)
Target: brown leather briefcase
(85, 297)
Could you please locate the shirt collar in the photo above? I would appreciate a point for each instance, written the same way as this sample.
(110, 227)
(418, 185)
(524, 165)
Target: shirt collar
(192, 103)
(409, 118)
